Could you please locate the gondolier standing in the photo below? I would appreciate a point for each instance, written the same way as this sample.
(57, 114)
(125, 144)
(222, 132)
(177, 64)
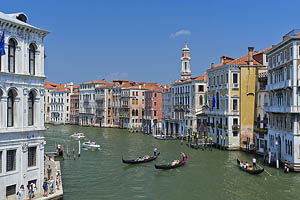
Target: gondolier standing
(254, 162)
(155, 151)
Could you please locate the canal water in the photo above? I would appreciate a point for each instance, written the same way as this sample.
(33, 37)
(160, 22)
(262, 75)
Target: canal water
(207, 174)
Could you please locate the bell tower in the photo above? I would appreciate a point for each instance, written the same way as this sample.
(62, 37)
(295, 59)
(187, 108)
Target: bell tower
(185, 63)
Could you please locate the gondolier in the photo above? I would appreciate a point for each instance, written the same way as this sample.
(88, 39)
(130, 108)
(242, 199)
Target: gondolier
(254, 162)
(155, 151)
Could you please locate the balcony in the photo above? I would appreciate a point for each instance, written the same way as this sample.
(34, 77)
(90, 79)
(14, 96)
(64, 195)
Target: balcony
(280, 85)
(261, 130)
(235, 86)
(283, 109)
(235, 127)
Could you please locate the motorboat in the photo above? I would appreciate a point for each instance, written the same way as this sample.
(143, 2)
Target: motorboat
(90, 145)
(78, 136)
(165, 137)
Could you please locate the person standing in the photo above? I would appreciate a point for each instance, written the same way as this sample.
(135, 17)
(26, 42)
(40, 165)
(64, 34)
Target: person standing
(155, 151)
(49, 171)
(20, 192)
(51, 185)
(45, 188)
(33, 187)
(29, 191)
(254, 162)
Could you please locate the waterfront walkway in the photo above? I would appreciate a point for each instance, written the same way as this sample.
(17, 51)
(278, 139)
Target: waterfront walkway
(55, 166)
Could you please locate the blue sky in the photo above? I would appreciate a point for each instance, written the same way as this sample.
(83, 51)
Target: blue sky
(97, 39)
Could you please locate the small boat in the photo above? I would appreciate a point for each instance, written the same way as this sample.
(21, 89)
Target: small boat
(141, 160)
(165, 137)
(250, 171)
(195, 146)
(91, 145)
(170, 166)
(78, 136)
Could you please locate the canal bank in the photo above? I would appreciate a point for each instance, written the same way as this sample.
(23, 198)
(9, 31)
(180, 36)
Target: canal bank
(207, 174)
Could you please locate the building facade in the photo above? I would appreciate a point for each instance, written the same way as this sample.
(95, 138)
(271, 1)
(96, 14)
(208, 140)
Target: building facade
(22, 105)
(232, 98)
(74, 108)
(284, 102)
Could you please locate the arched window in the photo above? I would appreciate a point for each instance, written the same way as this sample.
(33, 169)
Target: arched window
(30, 109)
(133, 112)
(218, 101)
(31, 59)
(11, 55)
(10, 108)
(200, 100)
(136, 112)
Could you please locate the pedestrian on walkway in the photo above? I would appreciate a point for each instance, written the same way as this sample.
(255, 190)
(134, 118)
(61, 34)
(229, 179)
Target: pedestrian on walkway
(33, 187)
(45, 188)
(49, 171)
(51, 185)
(29, 191)
(20, 192)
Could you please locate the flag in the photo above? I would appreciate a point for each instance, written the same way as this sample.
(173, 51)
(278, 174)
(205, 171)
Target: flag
(2, 45)
(213, 103)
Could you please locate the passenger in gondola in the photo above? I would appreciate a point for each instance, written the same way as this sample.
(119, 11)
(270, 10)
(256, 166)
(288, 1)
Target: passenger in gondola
(146, 157)
(155, 151)
(247, 165)
(175, 162)
(139, 159)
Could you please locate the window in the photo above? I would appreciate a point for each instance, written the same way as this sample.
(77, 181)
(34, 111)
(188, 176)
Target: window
(291, 52)
(284, 55)
(143, 93)
(200, 100)
(10, 190)
(235, 78)
(137, 93)
(155, 103)
(235, 105)
(221, 79)
(133, 101)
(11, 55)
(0, 162)
(31, 59)
(10, 109)
(31, 156)
(136, 101)
(155, 94)
(200, 88)
(11, 160)
(143, 101)
(30, 109)
(226, 79)
(155, 113)
(132, 93)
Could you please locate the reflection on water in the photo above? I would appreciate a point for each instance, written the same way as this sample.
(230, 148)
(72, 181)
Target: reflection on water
(207, 174)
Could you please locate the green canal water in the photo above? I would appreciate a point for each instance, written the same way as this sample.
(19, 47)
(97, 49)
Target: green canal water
(206, 175)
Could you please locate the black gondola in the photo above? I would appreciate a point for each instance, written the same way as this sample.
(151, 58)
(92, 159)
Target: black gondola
(169, 166)
(140, 161)
(252, 171)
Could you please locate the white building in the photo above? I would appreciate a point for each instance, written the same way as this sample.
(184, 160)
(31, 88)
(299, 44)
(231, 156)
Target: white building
(87, 102)
(22, 105)
(284, 102)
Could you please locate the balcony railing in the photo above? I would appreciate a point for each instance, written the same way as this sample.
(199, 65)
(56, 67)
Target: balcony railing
(261, 130)
(235, 127)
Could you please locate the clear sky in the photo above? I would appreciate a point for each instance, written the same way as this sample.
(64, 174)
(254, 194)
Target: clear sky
(141, 40)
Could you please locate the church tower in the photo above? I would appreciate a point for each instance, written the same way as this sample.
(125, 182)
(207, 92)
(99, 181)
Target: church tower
(185, 63)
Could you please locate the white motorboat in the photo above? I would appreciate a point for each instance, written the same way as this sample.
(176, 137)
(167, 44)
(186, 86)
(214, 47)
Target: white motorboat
(91, 145)
(78, 136)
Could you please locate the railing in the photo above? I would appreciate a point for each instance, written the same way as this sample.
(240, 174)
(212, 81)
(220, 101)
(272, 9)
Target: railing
(235, 85)
(235, 127)
(261, 130)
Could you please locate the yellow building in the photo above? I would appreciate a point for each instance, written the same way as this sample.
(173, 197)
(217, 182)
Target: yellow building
(232, 99)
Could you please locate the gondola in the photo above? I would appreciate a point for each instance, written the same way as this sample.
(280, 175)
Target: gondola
(169, 166)
(252, 171)
(140, 161)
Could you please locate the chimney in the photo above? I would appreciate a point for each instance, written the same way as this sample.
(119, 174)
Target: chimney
(212, 65)
(222, 59)
(250, 55)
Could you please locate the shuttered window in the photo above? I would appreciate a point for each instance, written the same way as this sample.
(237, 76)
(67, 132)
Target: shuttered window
(31, 156)
(11, 160)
